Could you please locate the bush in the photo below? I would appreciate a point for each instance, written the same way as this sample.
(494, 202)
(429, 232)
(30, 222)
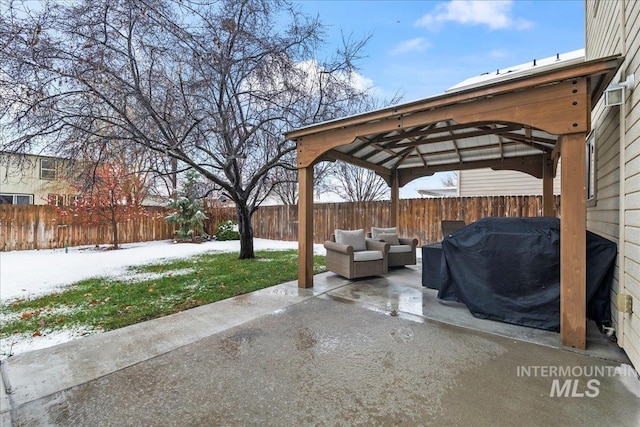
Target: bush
(228, 230)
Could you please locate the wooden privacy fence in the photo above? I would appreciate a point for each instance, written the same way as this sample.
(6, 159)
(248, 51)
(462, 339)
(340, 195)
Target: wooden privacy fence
(41, 227)
(24, 227)
(419, 218)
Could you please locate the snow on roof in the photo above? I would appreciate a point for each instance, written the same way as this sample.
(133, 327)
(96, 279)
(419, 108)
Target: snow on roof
(558, 60)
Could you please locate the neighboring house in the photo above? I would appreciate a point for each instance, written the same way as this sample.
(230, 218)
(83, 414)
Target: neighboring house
(487, 182)
(27, 179)
(613, 27)
(34, 180)
(438, 192)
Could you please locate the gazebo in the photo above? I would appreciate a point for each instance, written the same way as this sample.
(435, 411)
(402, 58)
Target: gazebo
(518, 121)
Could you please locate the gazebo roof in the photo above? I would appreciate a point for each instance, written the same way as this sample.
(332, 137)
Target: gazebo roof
(467, 127)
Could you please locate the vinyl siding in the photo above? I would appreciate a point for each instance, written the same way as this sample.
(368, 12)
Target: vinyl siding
(487, 182)
(603, 38)
(21, 175)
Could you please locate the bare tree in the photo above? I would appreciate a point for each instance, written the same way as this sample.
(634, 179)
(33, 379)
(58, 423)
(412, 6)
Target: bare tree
(213, 85)
(286, 186)
(356, 184)
(327, 176)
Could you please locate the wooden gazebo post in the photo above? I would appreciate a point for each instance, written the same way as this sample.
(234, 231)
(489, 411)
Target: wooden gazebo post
(395, 200)
(548, 171)
(573, 250)
(305, 227)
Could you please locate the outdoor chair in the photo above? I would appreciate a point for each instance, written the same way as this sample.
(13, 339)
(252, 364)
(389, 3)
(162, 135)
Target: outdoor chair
(351, 255)
(402, 250)
(451, 226)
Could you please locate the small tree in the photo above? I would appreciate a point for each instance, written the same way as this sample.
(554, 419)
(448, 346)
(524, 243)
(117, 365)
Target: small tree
(106, 198)
(188, 214)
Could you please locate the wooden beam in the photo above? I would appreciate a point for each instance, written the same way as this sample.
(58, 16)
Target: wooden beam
(458, 151)
(547, 186)
(456, 136)
(395, 200)
(557, 109)
(359, 144)
(535, 142)
(337, 155)
(573, 252)
(305, 227)
(313, 146)
(531, 165)
(430, 130)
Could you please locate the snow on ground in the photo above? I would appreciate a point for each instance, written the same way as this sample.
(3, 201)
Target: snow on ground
(29, 273)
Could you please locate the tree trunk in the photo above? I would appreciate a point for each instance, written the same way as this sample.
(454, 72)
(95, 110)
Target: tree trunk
(114, 229)
(246, 232)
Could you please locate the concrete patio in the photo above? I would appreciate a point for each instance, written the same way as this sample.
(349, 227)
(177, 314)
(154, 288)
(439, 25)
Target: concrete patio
(379, 351)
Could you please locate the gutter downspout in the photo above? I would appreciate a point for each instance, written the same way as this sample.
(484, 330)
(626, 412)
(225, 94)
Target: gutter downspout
(622, 190)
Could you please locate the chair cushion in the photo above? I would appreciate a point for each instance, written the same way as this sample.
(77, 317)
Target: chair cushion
(353, 238)
(389, 238)
(394, 249)
(367, 255)
(376, 231)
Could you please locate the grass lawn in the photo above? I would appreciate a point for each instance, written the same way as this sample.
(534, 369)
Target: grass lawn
(150, 291)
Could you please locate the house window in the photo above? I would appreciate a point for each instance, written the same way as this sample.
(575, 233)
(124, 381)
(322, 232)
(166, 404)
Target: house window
(591, 170)
(24, 199)
(16, 199)
(48, 169)
(56, 199)
(74, 200)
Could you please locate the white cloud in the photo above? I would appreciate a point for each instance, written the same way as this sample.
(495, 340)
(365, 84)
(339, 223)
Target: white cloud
(359, 81)
(494, 14)
(419, 44)
(312, 70)
(498, 53)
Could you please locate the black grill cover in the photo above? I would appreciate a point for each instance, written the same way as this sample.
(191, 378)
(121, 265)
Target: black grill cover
(508, 269)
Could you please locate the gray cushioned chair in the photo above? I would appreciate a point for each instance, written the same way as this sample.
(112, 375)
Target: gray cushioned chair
(402, 250)
(351, 255)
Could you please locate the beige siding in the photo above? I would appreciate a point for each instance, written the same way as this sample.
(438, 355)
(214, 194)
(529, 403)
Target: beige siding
(603, 38)
(487, 182)
(21, 175)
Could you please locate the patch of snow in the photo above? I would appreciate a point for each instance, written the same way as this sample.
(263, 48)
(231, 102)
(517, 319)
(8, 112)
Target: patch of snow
(131, 276)
(25, 274)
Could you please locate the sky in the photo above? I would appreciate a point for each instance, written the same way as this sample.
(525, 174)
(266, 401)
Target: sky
(421, 48)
